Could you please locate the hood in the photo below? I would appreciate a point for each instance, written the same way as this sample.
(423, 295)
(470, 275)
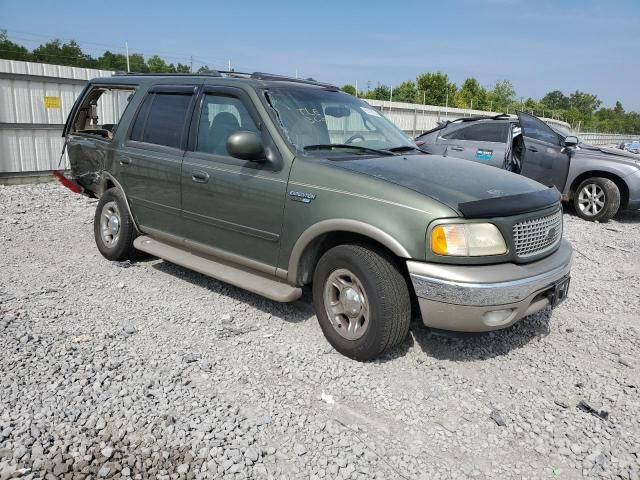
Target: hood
(449, 180)
(606, 153)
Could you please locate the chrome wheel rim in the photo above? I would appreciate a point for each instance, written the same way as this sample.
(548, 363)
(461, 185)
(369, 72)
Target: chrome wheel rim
(346, 304)
(591, 199)
(110, 223)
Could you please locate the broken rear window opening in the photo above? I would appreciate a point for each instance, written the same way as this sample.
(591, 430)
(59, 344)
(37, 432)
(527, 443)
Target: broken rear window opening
(101, 110)
(315, 117)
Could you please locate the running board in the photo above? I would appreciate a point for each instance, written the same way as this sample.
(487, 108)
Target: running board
(237, 276)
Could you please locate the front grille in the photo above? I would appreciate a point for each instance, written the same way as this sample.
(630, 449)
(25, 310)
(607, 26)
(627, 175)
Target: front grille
(537, 235)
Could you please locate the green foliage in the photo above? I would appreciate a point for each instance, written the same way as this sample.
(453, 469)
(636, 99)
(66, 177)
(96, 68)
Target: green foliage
(381, 92)
(556, 100)
(471, 95)
(112, 61)
(350, 89)
(585, 103)
(405, 92)
(436, 88)
(62, 54)
(501, 96)
(10, 50)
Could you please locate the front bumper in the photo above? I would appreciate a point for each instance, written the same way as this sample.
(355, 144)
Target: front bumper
(486, 297)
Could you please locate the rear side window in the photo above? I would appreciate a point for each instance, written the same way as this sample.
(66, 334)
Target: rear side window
(161, 119)
(481, 132)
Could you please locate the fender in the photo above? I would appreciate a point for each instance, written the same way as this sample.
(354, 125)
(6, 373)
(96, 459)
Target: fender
(595, 165)
(107, 176)
(340, 225)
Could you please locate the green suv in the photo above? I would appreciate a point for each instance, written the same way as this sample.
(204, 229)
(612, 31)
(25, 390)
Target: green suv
(272, 184)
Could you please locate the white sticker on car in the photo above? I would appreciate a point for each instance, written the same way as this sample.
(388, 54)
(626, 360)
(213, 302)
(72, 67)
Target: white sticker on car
(370, 111)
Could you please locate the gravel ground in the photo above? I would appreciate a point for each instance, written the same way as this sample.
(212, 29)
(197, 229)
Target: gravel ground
(148, 370)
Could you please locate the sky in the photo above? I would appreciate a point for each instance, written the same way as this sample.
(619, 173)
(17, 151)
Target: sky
(539, 46)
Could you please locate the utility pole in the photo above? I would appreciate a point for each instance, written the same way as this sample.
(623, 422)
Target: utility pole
(356, 88)
(126, 47)
(229, 65)
(446, 102)
(191, 64)
(424, 97)
(472, 104)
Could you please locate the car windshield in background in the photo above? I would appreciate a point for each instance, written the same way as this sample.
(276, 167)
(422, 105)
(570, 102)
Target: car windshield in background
(565, 132)
(316, 120)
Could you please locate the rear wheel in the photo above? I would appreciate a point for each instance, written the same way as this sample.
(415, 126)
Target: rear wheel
(113, 227)
(597, 198)
(362, 301)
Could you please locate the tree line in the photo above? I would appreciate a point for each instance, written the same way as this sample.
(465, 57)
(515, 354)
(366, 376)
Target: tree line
(70, 54)
(584, 111)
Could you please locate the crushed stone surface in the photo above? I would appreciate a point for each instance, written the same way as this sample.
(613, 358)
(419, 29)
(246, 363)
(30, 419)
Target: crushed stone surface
(148, 370)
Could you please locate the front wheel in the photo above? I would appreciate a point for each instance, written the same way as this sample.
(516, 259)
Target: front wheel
(597, 198)
(362, 301)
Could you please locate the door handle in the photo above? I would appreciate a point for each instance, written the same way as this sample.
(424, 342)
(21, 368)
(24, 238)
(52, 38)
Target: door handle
(200, 177)
(125, 161)
(457, 148)
(532, 149)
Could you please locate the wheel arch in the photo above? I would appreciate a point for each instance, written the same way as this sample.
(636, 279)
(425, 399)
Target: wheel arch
(109, 181)
(615, 178)
(326, 234)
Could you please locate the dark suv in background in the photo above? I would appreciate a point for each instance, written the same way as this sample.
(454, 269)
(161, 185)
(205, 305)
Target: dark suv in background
(598, 180)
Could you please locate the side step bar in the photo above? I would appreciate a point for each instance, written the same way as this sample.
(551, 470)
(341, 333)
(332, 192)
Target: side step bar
(237, 276)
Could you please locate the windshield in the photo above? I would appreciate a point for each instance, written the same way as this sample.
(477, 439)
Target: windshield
(317, 120)
(565, 132)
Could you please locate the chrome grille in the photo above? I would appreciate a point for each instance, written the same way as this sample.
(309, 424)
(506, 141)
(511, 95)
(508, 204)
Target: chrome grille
(537, 235)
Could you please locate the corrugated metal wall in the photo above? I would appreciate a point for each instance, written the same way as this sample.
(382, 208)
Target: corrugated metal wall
(30, 131)
(36, 98)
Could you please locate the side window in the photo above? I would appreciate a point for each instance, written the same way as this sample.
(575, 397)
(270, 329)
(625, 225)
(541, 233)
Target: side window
(538, 130)
(220, 117)
(456, 134)
(481, 132)
(161, 119)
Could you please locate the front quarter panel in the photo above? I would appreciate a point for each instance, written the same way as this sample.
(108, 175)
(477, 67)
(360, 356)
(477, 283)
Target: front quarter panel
(587, 162)
(321, 198)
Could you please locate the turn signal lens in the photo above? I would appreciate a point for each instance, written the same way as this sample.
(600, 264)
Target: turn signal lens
(467, 240)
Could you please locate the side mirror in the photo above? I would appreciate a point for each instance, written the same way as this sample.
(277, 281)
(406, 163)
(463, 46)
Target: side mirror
(246, 145)
(571, 141)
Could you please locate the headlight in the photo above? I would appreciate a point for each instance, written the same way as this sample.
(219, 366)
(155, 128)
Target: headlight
(467, 240)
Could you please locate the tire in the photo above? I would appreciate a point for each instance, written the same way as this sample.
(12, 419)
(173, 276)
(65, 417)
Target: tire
(370, 278)
(597, 198)
(113, 227)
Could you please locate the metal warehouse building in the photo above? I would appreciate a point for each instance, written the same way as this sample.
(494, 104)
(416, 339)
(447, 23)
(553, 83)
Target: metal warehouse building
(35, 100)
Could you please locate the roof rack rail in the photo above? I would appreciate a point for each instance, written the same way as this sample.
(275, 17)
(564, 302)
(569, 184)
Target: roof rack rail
(473, 118)
(284, 78)
(234, 74)
(208, 73)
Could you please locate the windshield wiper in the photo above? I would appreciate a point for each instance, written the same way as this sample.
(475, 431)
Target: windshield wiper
(331, 146)
(405, 148)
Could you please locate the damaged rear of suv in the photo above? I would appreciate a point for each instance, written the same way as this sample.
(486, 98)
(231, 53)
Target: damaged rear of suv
(274, 184)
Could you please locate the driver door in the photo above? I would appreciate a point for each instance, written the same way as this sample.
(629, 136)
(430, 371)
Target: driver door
(545, 158)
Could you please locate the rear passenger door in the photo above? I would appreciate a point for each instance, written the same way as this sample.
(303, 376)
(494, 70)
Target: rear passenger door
(232, 208)
(151, 159)
(483, 142)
